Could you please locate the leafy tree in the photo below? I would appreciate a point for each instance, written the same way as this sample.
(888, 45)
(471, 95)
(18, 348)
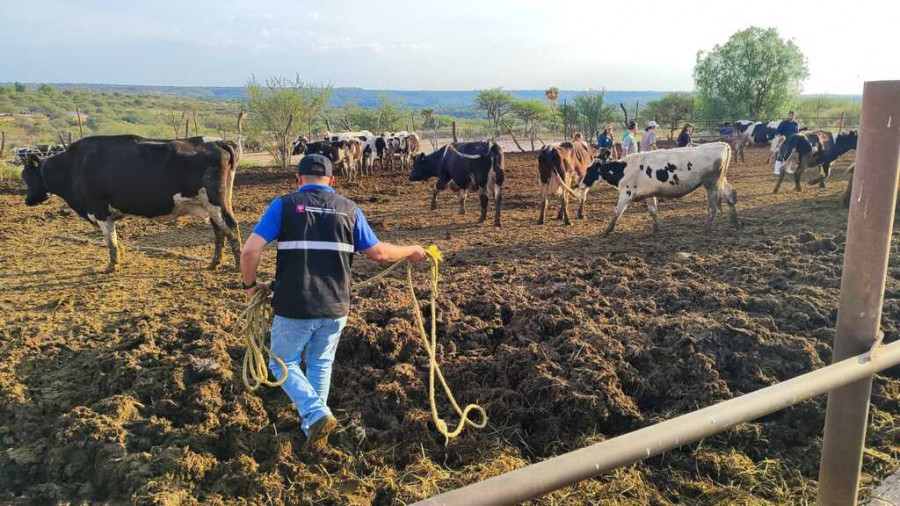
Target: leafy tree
(593, 111)
(532, 113)
(20, 88)
(46, 89)
(496, 104)
(567, 116)
(276, 109)
(671, 110)
(755, 73)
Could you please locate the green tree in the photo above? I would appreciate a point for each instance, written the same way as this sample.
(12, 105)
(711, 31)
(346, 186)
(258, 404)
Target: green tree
(276, 109)
(593, 112)
(532, 113)
(20, 88)
(496, 104)
(671, 110)
(389, 115)
(756, 73)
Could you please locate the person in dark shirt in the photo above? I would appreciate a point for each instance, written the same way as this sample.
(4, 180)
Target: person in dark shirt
(788, 127)
(684, 139)
(317, 232)
(605, 141)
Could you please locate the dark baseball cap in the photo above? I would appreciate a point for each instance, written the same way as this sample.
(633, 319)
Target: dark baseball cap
(315, 165)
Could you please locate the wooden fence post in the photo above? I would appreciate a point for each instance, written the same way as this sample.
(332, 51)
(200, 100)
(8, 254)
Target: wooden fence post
(194, 115)
(841, 125)
(2, 144)
(187, 123)
(80, 129)
(453, 131)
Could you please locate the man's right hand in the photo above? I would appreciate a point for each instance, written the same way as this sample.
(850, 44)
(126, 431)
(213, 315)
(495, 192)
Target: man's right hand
(417, 255)
(252, 291)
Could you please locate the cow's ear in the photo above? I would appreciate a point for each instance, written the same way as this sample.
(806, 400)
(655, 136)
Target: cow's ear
(34, 160)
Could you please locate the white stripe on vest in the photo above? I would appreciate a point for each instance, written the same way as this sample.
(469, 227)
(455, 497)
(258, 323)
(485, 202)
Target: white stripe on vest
(321, 245)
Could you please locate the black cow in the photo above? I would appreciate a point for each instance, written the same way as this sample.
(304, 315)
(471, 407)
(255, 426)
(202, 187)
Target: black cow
(299, 146)
(105, 178)
(463, 166)
(817, 148)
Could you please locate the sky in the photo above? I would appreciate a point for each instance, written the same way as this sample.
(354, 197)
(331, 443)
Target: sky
(430, 45)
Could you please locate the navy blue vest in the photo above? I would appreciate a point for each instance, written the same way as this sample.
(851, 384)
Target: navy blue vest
(315, 252)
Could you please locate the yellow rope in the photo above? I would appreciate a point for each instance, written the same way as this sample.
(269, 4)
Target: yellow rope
(253, 323)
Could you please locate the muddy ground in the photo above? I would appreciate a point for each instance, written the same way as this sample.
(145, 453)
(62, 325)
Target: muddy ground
(126, 387)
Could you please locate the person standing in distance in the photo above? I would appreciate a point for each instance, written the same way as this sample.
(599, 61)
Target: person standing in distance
(317, 232)
(648, 140)
(629, 139)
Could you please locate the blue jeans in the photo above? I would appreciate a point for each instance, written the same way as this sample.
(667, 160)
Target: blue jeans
(318, 338)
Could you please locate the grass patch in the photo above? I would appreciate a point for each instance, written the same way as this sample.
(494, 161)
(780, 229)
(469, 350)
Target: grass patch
(9, 171)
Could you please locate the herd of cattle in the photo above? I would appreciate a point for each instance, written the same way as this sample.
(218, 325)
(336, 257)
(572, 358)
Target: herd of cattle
(105, 178)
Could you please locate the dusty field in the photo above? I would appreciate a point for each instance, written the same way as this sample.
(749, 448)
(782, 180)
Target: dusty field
(125, 388)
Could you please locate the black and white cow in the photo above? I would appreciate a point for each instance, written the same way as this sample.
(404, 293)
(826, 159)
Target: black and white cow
(461, 167)
(817, 148)
(667, 173)
(105, 178)
(753, 133)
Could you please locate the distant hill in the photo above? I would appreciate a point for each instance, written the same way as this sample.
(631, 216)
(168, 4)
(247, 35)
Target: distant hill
(443, 101)
(456, 103)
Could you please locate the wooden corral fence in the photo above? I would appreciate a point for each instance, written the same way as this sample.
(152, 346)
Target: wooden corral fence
(858, 352)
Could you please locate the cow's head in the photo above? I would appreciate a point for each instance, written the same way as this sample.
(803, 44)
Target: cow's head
(422, 170)
(609, 171)
(604, 155)
(846, 142)
(31, 174)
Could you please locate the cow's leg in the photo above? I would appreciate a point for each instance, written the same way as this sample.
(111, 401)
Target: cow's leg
(219, 244)
(826, 171)
(779, 180)
(564, 208)
(797, 174)
(108, 227)
(461, 195)
(582, 199)
(729, 194)
(483, 200)
(545, 200)
(712, 205)
(234, 238)
(624, 200)
(654, 212)
(498, 205)
(434, 199)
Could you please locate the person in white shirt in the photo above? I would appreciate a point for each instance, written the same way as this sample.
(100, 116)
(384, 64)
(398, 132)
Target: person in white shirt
(648, 140)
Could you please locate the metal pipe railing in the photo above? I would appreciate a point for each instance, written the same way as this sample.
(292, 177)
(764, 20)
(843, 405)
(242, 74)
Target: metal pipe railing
(552, 474)
(868, 246)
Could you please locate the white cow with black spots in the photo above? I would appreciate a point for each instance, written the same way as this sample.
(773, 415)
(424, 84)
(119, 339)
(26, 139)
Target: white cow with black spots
(667, 173)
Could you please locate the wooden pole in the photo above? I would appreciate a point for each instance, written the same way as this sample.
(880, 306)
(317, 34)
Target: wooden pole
(194, 115)
(453, 131)
(80, 128)
(240, 136)
(412, 118)
(2, 144)
(866, 253)
(70, 138)
(285, 145)
(841, 125)
(509, 131)
(187, 123)
(63, 142)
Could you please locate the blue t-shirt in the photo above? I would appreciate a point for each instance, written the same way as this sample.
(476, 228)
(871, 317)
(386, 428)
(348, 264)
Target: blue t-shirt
(604, 141)
(270, 224)
(787, 128)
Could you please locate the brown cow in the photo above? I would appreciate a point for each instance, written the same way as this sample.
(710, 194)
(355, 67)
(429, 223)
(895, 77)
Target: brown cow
(561, 166)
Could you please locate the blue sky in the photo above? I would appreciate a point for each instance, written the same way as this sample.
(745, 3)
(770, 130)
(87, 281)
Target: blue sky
(527, 44)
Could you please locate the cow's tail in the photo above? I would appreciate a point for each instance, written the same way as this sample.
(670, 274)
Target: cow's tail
(228, 184)
(559, 172)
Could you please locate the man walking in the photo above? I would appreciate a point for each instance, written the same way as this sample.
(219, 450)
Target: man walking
(788, 126)
(317, 232)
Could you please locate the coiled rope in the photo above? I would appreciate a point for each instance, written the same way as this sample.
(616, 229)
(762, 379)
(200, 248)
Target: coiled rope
(253, 324)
